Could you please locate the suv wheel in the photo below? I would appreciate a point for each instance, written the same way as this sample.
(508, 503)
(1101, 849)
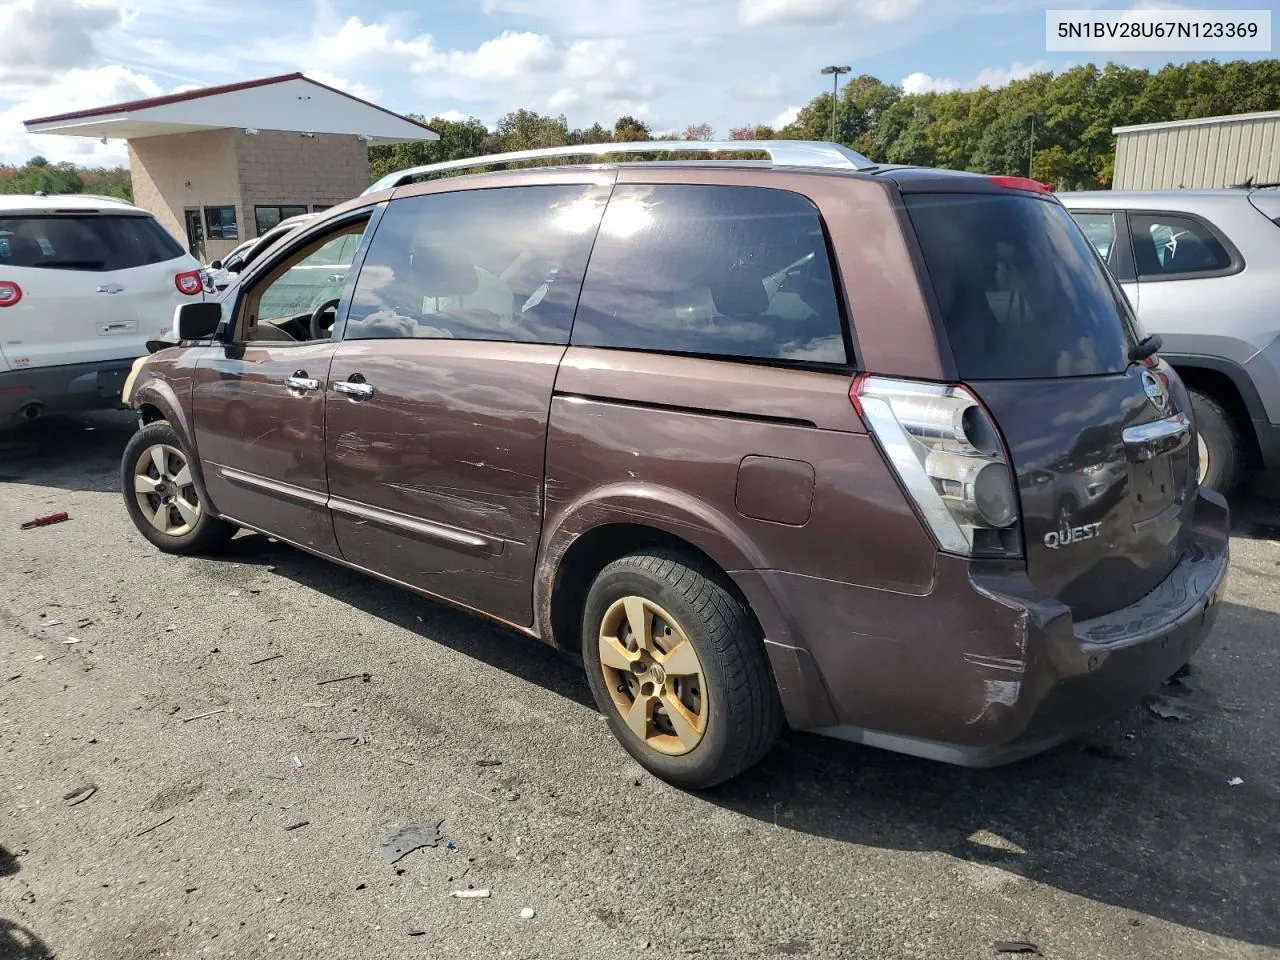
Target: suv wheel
(677, 664)
(1220, 452)
(161, 496)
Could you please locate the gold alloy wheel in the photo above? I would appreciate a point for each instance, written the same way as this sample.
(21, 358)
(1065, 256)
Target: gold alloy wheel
(654, 675)
(165, 491)
(1202, 457)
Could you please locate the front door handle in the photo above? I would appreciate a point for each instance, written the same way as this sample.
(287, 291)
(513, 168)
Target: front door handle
(302, 383)
(356, 391)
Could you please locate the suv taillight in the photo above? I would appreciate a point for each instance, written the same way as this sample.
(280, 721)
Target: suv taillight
(949, 456)
(10, 293)
(189, 283)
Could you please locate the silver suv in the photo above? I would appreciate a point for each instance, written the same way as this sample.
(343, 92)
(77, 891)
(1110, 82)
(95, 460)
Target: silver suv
(1202, 268)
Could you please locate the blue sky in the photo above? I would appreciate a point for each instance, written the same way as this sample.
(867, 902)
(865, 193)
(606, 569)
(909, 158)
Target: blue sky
(670, 62)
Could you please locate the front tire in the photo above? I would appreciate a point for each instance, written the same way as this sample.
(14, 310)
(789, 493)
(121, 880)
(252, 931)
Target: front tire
(1220, 450)
(677, 664)
(161, 495)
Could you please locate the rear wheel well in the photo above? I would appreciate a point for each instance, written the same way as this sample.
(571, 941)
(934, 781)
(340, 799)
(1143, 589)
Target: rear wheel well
(1222, 388)
(595, 550)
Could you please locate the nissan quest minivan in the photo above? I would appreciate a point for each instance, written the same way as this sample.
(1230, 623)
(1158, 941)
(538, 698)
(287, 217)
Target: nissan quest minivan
(875, 452)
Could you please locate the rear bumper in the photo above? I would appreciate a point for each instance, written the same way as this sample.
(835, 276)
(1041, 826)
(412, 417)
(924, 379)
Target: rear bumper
(60, 389)
(982, 670)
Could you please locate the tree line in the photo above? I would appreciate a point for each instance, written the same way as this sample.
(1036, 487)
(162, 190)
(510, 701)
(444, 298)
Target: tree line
(38, 175)
(985, 130)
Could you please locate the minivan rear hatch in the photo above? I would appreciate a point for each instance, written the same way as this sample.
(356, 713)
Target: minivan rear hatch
(1039, 331)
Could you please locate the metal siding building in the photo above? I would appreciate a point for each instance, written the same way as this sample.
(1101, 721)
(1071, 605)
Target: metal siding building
(1186, 154)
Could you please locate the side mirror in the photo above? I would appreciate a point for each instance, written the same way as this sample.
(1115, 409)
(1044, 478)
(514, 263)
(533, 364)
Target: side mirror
(196, 321)
(235, 265)
(216, 265)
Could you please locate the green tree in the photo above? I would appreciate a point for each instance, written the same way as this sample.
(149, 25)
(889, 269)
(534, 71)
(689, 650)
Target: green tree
(630, 129)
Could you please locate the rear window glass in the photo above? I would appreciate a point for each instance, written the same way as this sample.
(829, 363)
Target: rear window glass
(85, 243)
(1022, 293)
(715, 270)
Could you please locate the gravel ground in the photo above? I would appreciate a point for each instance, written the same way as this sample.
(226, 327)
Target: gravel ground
(1130, 843)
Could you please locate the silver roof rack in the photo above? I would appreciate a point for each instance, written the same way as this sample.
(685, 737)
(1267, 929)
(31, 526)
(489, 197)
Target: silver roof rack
(782, 153)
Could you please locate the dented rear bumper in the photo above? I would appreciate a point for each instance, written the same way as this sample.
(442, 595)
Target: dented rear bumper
(982, 670)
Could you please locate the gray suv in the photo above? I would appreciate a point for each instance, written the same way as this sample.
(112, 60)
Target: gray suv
(1202, 269)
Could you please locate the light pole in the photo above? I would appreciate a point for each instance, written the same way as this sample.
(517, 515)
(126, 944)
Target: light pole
(836, 74)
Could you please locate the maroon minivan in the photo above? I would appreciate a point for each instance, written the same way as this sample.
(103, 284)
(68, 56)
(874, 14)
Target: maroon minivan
(877, 452)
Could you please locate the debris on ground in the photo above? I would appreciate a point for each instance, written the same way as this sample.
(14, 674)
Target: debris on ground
(363, 677)
(528, 913)
(1017, 946)
(404, 840)
(415, 932)
(201, 716)
(274, 656)
(1167, 709)
(297, 762)
(154, 826)
(297, 826)
(488, 763)
(71, 640)
(1235, 782)
(45, 521)
(80, 794)
(471, 894)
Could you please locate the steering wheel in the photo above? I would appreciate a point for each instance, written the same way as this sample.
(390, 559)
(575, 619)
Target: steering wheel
(318, 332)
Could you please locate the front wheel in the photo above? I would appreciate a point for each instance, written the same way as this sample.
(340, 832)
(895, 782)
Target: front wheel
(161, 496)
(677, 664)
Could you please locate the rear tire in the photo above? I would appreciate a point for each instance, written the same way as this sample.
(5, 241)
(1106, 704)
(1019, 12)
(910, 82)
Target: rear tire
(1221, 453)
(161, 496)
(728, 715)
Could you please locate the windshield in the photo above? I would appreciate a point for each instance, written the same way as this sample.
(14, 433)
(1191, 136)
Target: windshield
(1021, 292)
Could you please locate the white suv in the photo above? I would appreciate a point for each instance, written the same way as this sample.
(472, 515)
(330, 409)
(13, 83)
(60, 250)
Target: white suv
(84, 282)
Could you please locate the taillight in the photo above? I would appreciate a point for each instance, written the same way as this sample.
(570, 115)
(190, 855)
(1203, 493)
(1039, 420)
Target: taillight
(189, 283)
(948, 455)
(1021, 183)
(10, 293)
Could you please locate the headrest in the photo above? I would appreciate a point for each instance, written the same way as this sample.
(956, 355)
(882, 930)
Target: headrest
(740, 295)
(437, 270)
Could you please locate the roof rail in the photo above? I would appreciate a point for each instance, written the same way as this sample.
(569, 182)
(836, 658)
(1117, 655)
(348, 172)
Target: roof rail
(782, 153)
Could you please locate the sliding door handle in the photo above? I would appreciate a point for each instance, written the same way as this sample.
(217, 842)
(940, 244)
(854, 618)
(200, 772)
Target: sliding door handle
(356, 391)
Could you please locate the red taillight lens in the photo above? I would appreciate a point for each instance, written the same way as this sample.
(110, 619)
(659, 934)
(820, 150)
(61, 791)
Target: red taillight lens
(189, 283)
(10, 293)
(1021, 183)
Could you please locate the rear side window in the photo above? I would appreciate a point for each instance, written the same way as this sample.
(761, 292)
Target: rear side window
(1167, 244)
(93, 243)
(1100, 228)
(1020, 292)
(713, 270)
(496, 264)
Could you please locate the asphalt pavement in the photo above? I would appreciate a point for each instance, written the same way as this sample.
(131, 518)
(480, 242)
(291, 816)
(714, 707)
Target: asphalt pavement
(180, 778)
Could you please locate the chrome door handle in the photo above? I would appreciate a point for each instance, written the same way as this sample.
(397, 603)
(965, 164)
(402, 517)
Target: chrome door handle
(358, 391)
(302, 383)
(110, 288)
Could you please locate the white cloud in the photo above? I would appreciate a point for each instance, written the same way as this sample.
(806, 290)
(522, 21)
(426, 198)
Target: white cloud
(987, 77)
(787, 117)
(923, 83)
(757, 13)
(1003, 76)
(75, 90)
(456, 116)
(43, 37)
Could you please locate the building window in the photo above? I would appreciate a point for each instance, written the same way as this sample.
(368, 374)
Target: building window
(317, 207)
(267, 217)
(220, 223)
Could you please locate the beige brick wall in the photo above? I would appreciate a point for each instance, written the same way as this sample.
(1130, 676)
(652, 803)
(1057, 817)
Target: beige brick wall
(279, 168)
(188, 170)
(221, 167)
